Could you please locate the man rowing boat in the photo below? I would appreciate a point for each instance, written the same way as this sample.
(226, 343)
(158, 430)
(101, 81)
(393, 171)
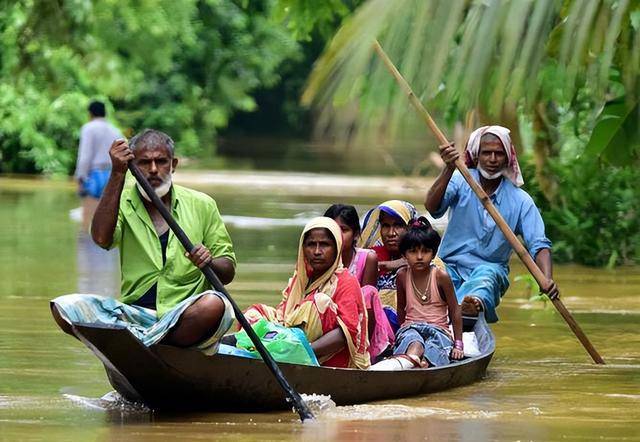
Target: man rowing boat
(475, 251)
(164, 295)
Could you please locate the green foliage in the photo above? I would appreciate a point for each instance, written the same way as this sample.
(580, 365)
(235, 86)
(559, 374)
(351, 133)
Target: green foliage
(595, 216)
(493, 56)
(279, 111)
(182, 67)
(234, 52)
(304, 17)
(616, 135)
(531, 290)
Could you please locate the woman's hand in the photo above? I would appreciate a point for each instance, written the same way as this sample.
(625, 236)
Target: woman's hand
(388, 266)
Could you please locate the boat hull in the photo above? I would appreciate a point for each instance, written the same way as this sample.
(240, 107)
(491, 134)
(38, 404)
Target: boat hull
(166, 377)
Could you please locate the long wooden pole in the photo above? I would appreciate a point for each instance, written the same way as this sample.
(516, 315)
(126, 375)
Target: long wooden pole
(520, 250)
(292, 395)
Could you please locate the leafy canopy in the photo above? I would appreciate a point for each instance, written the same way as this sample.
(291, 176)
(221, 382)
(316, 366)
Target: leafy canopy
(182, 67)
(461, 55)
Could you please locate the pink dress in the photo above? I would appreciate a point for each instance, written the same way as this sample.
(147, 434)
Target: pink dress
(356, 268)
(382, 335)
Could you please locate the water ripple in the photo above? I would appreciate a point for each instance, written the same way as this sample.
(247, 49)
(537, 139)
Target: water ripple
(402, 412)
(111, 401)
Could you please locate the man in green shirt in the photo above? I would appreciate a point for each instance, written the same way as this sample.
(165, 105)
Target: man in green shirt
(156, 272)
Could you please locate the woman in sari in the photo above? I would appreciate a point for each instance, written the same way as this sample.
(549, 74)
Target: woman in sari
(383, 228)
(363, 264)
(323, 299)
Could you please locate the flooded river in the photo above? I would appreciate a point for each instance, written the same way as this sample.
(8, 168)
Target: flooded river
(541, 384)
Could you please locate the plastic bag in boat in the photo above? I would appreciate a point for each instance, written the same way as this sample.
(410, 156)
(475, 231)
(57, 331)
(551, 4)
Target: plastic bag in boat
(285, 344)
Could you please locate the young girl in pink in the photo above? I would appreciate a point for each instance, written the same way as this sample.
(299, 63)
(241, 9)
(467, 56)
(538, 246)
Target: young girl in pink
(363, 264)
(426, 306)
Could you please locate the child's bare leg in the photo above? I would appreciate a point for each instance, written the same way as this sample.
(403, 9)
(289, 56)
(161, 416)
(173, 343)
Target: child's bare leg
(416, 352)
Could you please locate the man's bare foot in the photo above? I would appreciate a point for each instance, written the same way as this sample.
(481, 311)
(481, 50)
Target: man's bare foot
(470, 306)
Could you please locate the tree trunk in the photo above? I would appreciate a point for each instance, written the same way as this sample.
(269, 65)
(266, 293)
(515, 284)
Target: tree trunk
(509, 117)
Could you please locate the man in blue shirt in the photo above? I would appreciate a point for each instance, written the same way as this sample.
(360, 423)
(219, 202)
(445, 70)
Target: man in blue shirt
(474, 249)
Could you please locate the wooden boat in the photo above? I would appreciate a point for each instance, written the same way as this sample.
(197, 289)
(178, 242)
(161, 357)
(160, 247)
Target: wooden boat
(166, 377)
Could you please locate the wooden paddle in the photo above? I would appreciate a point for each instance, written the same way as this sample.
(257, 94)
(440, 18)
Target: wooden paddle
(488, 205)
(292, 396)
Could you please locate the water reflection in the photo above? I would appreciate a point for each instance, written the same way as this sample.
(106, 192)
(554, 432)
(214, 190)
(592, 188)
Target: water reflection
(408, 429)
(98, 269)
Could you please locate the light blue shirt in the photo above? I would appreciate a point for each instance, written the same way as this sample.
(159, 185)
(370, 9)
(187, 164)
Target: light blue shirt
(96, 137)
(472, 237)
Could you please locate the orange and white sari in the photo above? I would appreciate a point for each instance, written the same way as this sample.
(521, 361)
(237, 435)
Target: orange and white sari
(333, 300)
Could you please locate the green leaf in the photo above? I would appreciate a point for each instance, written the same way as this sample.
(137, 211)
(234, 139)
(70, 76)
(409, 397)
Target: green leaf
(616, 135)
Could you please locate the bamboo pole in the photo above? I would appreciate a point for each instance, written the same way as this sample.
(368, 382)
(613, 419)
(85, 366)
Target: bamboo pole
(520, 250)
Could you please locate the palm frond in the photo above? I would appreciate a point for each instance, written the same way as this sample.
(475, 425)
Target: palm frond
(461, 55)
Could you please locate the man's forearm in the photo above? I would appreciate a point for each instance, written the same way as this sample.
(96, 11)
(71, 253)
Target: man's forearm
(224, 269)
(543, 260)
(106, 215)
(436, 192)
(82, 164)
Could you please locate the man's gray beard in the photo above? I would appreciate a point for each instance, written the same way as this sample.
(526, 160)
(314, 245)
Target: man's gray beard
(161, 190)
(487, 176)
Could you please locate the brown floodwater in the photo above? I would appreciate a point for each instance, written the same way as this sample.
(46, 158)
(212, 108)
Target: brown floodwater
(541, 384)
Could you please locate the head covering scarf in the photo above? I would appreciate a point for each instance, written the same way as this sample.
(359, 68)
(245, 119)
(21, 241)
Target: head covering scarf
(297, 288)
(370, 235)
(330, 305)
(512, 171)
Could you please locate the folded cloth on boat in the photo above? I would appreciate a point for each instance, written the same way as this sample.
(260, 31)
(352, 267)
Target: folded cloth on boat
(142, 322)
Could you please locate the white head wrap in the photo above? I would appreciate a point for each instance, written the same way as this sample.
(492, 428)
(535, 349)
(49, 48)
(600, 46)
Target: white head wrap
(512, 170)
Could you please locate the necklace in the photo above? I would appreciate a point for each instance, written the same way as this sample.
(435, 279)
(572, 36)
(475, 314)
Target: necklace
(423, 296)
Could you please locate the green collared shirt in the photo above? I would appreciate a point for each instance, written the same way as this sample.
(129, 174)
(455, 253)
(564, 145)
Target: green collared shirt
(141, 253)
